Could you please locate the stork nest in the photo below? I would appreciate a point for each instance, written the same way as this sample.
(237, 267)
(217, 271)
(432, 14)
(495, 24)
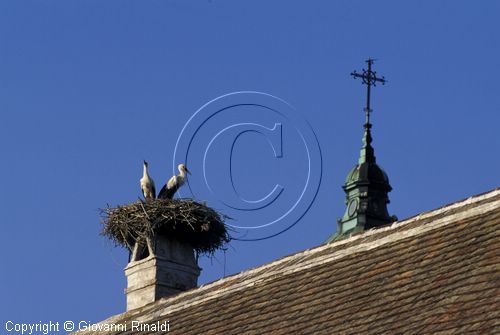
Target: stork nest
(183, 220)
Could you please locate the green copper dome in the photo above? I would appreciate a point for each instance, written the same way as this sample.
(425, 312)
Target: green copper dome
(368, 172)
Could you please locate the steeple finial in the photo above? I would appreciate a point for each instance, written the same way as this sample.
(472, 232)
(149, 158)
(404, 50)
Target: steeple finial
(369, 78)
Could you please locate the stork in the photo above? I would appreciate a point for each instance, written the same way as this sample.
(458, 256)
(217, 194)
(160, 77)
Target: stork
(147, 184)
(168, 190)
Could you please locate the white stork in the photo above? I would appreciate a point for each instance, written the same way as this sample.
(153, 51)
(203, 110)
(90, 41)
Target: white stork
(168, 190)
(147, 184)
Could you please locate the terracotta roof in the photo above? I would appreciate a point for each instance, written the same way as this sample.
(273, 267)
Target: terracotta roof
(435, 273)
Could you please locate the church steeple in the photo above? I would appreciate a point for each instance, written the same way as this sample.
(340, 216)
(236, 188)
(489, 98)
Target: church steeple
(367, 185)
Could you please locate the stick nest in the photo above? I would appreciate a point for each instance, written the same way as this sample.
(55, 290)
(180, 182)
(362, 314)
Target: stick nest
(183, 220)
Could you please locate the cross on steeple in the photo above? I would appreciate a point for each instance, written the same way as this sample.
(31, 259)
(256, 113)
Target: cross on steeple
(370, 79)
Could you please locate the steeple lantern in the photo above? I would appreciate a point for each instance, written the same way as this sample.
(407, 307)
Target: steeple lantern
(367, 185)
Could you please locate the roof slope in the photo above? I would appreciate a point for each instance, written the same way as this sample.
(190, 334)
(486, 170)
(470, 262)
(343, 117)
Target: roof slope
(436, 273)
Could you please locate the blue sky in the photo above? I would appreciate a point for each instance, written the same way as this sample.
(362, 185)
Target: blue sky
(88, 89)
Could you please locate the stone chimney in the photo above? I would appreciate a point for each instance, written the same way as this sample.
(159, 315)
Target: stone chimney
(161, 268)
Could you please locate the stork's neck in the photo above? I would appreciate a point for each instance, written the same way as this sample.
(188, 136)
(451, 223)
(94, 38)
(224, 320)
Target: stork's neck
(182, 173)
(145, 171)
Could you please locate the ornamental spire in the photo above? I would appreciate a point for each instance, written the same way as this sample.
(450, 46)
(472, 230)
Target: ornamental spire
(369, 78)
(367, 185)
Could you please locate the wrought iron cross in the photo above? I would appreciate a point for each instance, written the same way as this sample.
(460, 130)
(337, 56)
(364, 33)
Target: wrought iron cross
(370, 79)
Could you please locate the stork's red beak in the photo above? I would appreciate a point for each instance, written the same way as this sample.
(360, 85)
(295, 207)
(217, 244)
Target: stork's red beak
(187, 170)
